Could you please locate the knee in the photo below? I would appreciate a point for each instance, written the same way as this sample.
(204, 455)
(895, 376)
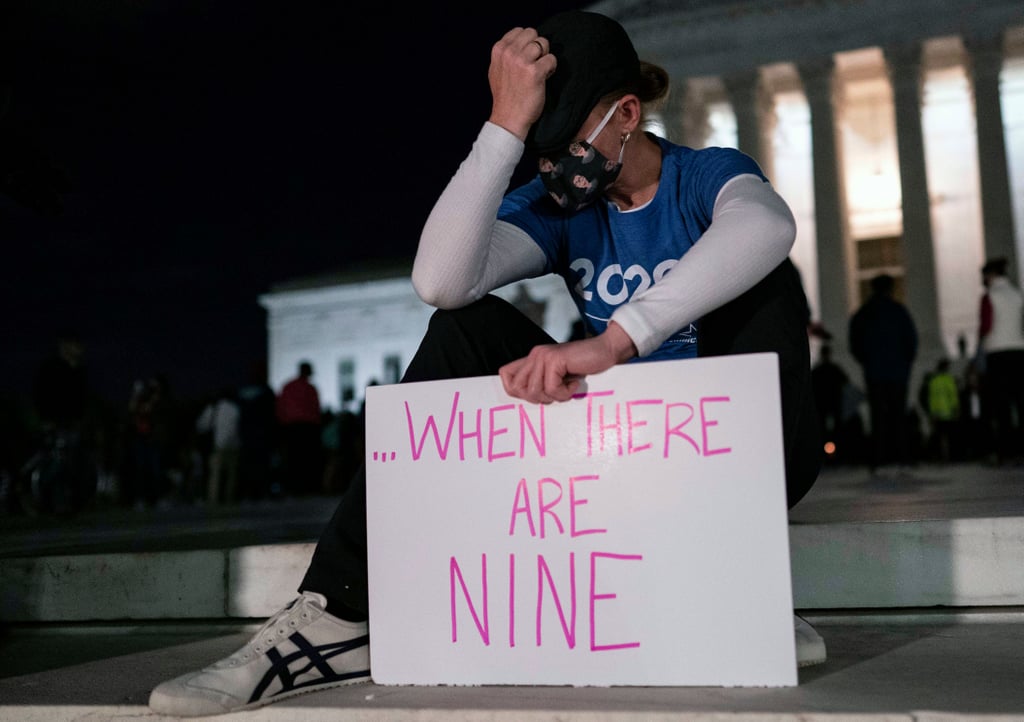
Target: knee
(471, 316)
(483, 306)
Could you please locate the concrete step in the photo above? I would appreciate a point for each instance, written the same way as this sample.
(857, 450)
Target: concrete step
(921, 666)
(849, 565)
(942, 536)
(913, 578)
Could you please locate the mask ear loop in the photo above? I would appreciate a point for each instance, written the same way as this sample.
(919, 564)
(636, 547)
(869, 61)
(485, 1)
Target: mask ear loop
(604, 121)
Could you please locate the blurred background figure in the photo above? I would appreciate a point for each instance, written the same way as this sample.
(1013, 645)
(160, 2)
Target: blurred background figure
(143, 471)
(299, 416)
(828, 380)
(220, 419)
(839, 402)
(959, 366)
(342, 440)
(258, 437)
(883, 338)
(1001, 340)
(60, 476)
(975, 438)
(943, 408)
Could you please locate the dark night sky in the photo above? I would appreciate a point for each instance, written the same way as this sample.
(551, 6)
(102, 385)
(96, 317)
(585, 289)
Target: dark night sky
(213, 149)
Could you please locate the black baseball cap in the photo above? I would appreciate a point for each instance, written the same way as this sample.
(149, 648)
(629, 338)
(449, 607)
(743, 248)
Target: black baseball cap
(595, 56)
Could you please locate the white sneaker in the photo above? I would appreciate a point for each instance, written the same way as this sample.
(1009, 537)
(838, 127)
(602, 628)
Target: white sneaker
(810, 647)
(301, 649)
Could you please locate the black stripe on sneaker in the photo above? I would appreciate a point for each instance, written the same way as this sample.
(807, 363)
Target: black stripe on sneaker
(315, 656)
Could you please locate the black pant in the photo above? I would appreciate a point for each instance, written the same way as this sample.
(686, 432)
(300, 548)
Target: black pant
(303, 457)
(479, 339)
(888, 405)
(1004, 382)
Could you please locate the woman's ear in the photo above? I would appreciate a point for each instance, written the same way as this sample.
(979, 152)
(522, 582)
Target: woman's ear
(631, 110)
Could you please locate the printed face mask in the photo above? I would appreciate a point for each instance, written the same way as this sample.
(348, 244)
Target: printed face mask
(577, 176)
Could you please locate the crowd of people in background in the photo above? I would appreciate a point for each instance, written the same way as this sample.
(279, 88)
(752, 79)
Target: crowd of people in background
(248, 442)
(66, 449)
(966, 408)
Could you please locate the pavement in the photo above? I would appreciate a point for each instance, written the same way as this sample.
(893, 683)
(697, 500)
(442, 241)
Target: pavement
(916, 662)
(108, 529)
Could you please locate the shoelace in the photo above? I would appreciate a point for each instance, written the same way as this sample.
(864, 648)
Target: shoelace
(268, 636)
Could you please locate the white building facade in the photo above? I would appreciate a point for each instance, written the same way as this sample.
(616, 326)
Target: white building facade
(357, 332)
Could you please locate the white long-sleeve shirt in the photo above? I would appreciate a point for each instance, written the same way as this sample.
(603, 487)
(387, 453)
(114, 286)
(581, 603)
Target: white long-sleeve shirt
(465, 251)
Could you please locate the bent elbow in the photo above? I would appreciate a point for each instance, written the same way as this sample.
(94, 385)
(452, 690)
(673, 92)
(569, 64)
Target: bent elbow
(435, 293)
(783, 229)
(429, 291)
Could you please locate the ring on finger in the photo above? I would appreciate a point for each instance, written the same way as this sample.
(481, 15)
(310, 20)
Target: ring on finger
(540, 45)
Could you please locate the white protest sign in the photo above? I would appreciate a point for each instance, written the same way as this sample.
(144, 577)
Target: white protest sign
(635, 535)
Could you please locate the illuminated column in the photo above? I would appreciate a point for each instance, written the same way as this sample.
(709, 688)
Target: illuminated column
(752, 105)
(693, 116)
(671, 112)
(904, 64)
(830, 217)
(985, 64)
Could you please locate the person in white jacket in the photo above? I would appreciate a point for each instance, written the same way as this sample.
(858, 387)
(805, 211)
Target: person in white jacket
(220, 419)
(1001, 339)
(668, 251)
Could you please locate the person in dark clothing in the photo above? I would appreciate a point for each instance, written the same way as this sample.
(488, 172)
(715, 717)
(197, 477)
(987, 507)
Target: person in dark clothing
(60, 389)
(300, 421)
(258, 434)
(147, 429)
(883, 338)
(829, 382)
(60, 395)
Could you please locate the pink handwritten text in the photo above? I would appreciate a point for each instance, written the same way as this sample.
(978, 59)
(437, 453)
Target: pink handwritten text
(523, 424)
(631, 427)
(549, 495)
(559, 586)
